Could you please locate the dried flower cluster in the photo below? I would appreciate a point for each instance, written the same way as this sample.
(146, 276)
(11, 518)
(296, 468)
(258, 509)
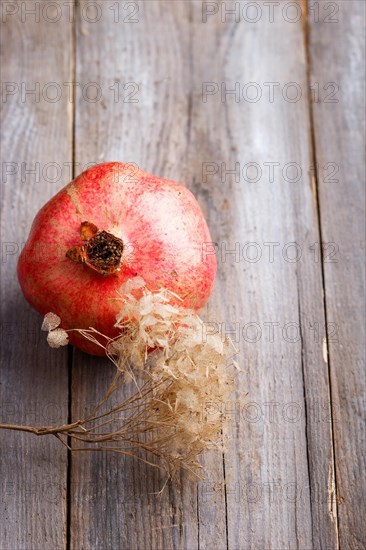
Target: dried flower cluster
(175, 375)
(56, 336)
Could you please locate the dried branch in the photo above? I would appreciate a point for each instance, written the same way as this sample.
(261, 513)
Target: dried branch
(166, 416)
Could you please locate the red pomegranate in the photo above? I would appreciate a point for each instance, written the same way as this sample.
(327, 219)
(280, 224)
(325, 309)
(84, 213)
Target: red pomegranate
(104, 228)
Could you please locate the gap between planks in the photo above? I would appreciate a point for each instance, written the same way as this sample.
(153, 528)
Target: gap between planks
(70, 352)
(332, 484)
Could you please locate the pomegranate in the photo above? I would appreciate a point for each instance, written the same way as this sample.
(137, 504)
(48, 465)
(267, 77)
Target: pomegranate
(104, 228)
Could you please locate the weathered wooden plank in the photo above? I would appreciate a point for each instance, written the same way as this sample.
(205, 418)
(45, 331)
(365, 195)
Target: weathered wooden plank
(34, 379)
(271, 496)
(275, 498)
(337, 65)
(142, 73)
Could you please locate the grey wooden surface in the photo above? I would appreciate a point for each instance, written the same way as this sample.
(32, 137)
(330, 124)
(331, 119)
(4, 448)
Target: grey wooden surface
(292, 475)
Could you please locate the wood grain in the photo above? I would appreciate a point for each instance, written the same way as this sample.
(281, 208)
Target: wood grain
(161, 87)
(275, 492)
(34, 380)
(337, 64)
(126, 512)
(172, 132)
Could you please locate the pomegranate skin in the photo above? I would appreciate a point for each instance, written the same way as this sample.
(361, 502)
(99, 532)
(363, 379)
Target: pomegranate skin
(164, 234)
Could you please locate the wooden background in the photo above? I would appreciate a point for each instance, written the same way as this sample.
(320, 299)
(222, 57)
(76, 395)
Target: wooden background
(293, 473)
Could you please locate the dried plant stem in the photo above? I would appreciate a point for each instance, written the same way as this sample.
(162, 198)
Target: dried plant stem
(166, 417)
(42, 430)
(79, 432)
(68, 430)
(141, 424)
(128, 422)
